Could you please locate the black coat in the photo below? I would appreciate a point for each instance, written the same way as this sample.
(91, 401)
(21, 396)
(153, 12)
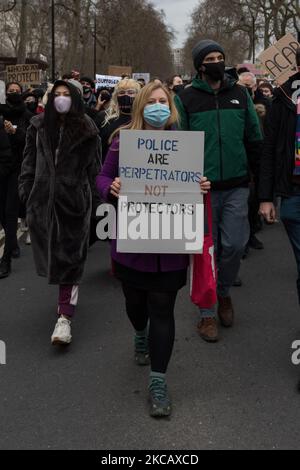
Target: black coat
(109, 128)
(19, 116)
(278, 160)
(59, 199)
(5, 153)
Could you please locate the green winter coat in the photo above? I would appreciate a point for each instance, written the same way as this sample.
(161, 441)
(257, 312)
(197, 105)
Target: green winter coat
(233, 138)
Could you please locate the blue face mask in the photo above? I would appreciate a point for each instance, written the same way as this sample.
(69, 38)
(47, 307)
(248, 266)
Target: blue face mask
(157, 115)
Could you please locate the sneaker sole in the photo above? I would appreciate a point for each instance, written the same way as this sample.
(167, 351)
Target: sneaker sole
(57, 341)
(159, 412)
(208, 339)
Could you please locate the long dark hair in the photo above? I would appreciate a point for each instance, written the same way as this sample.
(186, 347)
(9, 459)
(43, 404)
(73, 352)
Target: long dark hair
(74, 121)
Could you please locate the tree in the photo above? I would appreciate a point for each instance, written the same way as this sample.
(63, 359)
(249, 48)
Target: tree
(23, 32)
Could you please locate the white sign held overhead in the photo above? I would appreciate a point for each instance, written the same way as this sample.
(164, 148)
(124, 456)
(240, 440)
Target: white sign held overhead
(2, 92)
(107, 81)
(144, 76)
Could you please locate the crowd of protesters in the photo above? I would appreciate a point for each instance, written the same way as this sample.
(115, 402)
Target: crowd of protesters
(59, 157)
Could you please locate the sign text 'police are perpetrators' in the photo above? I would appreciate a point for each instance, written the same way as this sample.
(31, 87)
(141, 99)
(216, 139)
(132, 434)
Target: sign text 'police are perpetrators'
(160, 203)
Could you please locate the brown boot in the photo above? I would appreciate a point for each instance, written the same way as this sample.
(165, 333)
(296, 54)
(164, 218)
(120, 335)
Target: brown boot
(225, 311)
(208, 330)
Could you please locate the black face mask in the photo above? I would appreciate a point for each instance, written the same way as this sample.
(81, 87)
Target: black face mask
(178, 88)
(14, 98)
(87, 90)
(215, 71)
(125, 103)
(31, 106)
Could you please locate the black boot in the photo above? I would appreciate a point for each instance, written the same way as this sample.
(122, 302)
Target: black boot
(255, 243)
(5, 268)
(16, 252)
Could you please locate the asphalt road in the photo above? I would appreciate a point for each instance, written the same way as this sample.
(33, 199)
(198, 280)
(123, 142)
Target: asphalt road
(237, 394)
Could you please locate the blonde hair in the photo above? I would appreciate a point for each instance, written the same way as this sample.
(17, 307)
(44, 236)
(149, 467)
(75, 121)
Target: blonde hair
(45, 97)
(113, 111)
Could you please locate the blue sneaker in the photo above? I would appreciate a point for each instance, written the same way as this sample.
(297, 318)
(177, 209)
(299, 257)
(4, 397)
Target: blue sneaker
(160, 403)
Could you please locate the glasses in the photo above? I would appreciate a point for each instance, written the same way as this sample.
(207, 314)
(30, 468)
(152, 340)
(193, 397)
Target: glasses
(127, 92)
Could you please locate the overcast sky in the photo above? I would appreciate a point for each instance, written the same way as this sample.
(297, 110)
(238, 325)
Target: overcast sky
(177, 15)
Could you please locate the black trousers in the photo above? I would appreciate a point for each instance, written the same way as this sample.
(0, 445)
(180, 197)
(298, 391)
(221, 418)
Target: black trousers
(254, 217)
(9, 211)
(158, 307)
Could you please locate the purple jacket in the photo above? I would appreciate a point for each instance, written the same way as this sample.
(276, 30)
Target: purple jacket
(140, 262)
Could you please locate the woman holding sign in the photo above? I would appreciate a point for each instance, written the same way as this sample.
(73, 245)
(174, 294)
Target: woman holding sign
(150, 282)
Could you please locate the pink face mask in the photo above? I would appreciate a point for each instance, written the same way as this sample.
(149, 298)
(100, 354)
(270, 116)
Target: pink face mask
(62, 104)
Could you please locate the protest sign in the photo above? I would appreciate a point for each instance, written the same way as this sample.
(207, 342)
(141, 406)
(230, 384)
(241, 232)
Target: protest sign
(119, 70)
(106, 81)
(145, 76)
(25, 74)
(160, 204)
(2, 92)
(279, 59)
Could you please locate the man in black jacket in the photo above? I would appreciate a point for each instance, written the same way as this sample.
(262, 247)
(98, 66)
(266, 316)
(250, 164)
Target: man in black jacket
(5, 169)
(280, 164)
(15, 118)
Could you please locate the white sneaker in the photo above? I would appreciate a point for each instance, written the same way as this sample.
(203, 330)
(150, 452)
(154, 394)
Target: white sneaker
(23, 225)
(62, 332)
(28, 239)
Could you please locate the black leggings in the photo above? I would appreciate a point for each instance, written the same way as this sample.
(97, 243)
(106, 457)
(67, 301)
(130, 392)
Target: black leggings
(158, 307)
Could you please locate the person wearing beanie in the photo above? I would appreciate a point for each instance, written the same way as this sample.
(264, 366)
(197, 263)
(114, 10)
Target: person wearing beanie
(77, 85)
(280, 163)
(217, 105)
(88, 92)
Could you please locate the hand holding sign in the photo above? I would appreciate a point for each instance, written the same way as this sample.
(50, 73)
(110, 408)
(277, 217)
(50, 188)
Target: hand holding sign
(205, 185)
(115, 187)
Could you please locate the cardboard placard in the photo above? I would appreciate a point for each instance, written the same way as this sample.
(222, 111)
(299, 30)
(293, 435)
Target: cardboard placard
(279, 59)
(25, 74)
(118, 70)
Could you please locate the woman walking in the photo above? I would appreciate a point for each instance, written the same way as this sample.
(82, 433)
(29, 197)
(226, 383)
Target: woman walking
(150, 282)
(61, 161)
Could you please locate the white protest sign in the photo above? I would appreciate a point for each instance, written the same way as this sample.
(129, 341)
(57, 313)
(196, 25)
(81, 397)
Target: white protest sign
(138, 76)
(107, 81)
(160, 206)
(2, 92)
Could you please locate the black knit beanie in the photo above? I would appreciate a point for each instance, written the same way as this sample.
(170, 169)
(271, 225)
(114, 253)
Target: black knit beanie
(204, 47)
